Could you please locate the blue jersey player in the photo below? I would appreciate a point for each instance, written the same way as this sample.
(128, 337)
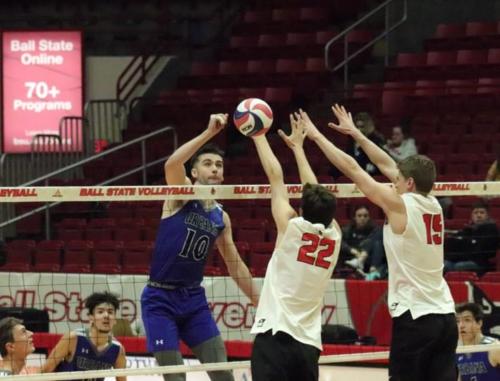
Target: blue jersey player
(476, 366)
(174, 305)
(93, 348)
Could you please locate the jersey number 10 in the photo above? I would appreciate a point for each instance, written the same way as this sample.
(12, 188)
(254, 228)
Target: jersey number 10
(307, 252)
(433, 228)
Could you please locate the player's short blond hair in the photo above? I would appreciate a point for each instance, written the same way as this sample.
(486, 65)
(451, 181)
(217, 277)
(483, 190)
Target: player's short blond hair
(421, 169)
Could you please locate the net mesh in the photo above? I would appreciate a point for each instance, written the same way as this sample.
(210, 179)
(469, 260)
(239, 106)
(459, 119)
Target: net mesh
(112, 253)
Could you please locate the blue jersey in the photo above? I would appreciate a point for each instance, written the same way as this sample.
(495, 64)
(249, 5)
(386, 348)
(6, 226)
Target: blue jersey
(87, 357)
(476, 366)
(183, 243)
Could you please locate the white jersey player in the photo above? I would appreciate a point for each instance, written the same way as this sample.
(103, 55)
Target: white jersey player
(424, 334)
(288, 317)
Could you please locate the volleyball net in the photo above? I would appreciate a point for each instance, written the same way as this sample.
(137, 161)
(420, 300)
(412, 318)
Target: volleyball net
(111, 252)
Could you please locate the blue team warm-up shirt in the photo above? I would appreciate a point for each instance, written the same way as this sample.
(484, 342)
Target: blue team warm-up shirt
(476, 366)
(86, 356)
(183, 243)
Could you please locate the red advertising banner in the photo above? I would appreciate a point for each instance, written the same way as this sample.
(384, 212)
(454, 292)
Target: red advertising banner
(42, 82)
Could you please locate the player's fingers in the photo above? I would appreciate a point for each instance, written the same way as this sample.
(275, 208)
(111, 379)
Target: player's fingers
(293, 122)
(334, 126)
(285, 138)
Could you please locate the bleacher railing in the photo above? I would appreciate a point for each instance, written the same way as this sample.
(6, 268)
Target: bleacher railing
(343, 37)
(6, 214)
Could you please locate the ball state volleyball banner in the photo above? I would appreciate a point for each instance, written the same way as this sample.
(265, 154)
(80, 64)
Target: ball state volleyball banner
(42, 82)
(358, 304)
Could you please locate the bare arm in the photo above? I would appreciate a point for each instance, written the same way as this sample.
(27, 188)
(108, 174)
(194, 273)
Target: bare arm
(64, 349)
(490, 176)
(494, 357)
(377, 155)
(280, 205)
(378, 193)
(295, 141)
(175, 173)
(121, 362)
(235, 265)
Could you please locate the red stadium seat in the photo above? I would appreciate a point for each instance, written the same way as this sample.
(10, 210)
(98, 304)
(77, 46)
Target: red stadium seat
(77, 256)
(461, 276)
(252, 230)
(137, 257)
(107, 256)
(450, 31)
(129, 229)
(47, 256)
(71, 228)
(491, 276)
(99, 229)
(19, 255)
(285, 15)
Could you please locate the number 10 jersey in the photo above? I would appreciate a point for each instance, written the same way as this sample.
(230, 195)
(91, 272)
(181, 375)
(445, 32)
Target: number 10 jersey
(296, 280)
(183, 243)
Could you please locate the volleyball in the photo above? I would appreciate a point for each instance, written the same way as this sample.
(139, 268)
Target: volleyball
(253, 117)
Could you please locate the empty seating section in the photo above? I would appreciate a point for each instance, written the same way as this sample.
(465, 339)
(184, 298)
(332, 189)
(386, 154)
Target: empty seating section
(451, 91)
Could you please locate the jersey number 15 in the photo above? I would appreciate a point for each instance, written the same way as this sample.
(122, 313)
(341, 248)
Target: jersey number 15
(433, 228)
(317, 251)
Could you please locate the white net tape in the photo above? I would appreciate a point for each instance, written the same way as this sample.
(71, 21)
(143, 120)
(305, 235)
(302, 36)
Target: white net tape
(206, 192)
(331, 359)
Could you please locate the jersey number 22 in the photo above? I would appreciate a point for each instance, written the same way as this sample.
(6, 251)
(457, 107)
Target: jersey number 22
(317, 251)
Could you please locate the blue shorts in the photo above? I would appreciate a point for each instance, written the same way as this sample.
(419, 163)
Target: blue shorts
(170, 315)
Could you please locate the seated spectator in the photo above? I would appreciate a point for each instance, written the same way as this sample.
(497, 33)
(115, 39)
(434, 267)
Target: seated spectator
(400, 146)
(472, 247)
(362, 246)
(366, 125)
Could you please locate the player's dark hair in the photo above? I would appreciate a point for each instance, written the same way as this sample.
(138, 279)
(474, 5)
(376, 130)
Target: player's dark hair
(207, 148)
(474, 308)
(318, 204)
(423, 171)
(7, 325)
(101, 297)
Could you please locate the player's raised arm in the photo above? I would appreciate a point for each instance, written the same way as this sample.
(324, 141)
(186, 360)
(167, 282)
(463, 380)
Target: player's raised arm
(280, 204)
(377, 155)
(175, 173)
(378, 193)
(295, 141)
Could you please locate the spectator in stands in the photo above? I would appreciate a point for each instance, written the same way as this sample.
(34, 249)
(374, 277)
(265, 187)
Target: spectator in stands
(16, 344)
(362, 246)
(365, 124)
(472, 247)
(494, 170)
(400, 146)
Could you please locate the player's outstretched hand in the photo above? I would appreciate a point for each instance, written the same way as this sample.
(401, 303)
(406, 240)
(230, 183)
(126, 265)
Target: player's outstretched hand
(217, 122)
(312, 131)
(346, 125)
(297, 134)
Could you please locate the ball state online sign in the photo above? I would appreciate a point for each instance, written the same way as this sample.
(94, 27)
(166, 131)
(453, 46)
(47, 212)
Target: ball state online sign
(42, 72)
